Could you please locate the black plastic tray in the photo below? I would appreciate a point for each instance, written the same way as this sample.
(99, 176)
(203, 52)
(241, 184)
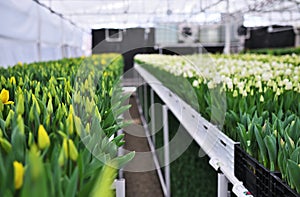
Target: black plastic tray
(260, 181)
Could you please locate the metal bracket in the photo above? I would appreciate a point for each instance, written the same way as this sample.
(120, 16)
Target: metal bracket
(214, 162)
(240, 190)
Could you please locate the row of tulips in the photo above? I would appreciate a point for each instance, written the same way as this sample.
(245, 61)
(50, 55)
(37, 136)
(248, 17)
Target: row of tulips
(254, 97)
(58, 127)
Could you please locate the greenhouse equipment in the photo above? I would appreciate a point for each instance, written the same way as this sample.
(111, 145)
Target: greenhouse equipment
(259, 137)
(221, 154)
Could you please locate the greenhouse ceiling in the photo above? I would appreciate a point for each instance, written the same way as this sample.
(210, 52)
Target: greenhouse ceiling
(94, 14)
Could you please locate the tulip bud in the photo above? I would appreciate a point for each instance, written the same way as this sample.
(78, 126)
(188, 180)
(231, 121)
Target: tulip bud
(282, 143)
(20, 104)
(50, 106)
(65, 147)
(89, 105)
(18, 174)
(61, 158)
(103, 62)
(4, 96)
(43, 138)
(292, 143)
(31, 113)
(21, 83)
(275, 133)
(9, 117)
(77, 97)
(20, 124)
(261, 99)
(12, 80)
(5, 145)
(77, 125)
(98, 115)
(48, 119)
(235, 93)
(35, 102)
(70, 124)
(30, 139)
(73, 151)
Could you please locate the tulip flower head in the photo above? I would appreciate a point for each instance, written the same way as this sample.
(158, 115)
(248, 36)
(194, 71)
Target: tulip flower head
(43, 138)
(4, 97)
(18, 174)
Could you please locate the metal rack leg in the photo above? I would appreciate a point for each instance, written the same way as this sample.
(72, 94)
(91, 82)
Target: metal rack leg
(222, 185)
(145, 103)
(166, 150)
(153, 129)
(120, 187)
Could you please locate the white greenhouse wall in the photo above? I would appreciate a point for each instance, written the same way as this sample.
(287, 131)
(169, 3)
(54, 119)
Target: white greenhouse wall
(30, 33)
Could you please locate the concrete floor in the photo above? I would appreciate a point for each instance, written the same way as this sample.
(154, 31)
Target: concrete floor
(139, 184)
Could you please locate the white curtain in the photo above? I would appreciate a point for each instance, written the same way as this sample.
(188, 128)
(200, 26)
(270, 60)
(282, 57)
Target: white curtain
(30, 32)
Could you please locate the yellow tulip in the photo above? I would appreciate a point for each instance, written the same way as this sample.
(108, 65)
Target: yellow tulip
(105, 74)
(4, 97)
(12, 80)
(43, 138)
(73, 151)
(70, 120)
(5, 145)
(61, 158)
(103, 61)
(18, 174)
(78, 125)
(65, 147)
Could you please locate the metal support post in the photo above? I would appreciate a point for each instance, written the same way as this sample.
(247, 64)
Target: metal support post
(166, 150)
(222, 185)
(120, 187)
(120, 153)
(145, 103)
(160, 50)
(153, 129)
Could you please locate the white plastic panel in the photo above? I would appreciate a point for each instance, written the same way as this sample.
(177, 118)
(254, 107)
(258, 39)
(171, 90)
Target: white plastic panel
(18, 20)
(11, 52)
(30, 32)
(50, 52)
(50, 29)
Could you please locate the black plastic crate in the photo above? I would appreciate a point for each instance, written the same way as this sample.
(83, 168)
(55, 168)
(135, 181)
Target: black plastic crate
(260, 181)
(255, 177)
(279, 188)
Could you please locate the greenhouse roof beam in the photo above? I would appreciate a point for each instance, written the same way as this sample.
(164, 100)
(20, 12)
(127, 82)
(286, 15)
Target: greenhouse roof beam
(174, 11)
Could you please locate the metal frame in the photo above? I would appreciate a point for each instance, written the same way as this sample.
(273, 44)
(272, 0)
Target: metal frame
(89, 14)
(153, 125)
(154, 155)
(119, 186)
(215, 144)
(166, 150)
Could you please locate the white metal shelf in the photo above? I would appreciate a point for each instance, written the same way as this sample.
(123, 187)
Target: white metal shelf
(218, 146)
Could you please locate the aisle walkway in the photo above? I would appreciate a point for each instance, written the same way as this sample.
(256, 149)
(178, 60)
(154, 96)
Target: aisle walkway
(139, 184)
